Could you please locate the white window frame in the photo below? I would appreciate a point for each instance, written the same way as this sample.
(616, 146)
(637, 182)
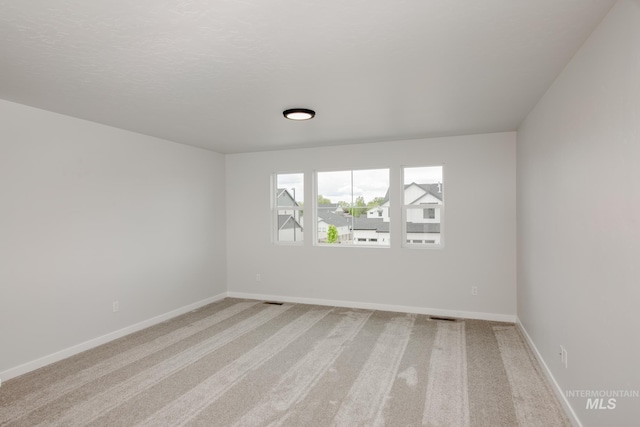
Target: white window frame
(406, 241)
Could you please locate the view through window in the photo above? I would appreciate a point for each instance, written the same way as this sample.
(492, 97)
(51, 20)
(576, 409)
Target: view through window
(423, 206)
(289, 202)
(353, 207)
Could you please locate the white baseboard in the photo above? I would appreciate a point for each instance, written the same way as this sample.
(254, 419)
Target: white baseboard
(382, 307)
(70, 351)
(556, 387)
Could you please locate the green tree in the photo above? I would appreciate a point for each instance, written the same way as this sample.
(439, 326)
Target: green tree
(322, 200)
(332, 234)
(359, 208)
(377, 201)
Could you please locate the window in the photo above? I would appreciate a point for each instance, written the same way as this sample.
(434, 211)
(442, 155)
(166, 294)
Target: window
(429, 213)
(353, 207)
(422, 225)
(288, 203)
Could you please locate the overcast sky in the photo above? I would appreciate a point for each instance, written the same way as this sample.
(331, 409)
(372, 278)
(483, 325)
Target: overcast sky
(336, 186)
(292, 181)
(423, 175)
(372, 183)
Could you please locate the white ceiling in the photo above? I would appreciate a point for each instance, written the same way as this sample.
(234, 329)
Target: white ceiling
(218, 73)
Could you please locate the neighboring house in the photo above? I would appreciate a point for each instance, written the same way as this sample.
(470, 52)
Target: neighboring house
(333, 214)
(289, 230)
(370, 231)
(372, 227)
(423, 224)
(289, 220)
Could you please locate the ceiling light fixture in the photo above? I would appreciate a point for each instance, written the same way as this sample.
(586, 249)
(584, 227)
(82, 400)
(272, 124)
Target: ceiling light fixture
(299, 114)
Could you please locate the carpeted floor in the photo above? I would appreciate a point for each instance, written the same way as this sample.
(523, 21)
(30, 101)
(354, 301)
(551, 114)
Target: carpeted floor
(245, 363)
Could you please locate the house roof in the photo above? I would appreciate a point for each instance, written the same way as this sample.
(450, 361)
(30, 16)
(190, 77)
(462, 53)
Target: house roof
(429, 227)
(364, 223)
(286, 222)
(433, 189)
(330, 217)
(377, 224)
(283, 192)
(329, 206)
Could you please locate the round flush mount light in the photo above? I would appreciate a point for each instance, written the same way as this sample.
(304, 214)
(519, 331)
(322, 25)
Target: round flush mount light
(299, 114)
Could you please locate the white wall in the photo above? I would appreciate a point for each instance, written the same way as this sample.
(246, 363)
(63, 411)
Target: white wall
(579, 219)
(91, 214)
(479, 182)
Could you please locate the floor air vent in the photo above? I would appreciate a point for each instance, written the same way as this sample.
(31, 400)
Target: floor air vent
(446, 319)
(272, 303)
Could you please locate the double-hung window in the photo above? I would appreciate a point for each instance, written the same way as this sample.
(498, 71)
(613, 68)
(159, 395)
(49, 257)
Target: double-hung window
(288, 201)
(423, 206)
(353, 207)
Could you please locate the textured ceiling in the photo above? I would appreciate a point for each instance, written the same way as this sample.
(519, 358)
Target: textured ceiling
(218, 74)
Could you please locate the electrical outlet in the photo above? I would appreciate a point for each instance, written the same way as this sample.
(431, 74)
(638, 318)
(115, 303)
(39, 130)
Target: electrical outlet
(258, 277)
(116, 306)
(474, 290)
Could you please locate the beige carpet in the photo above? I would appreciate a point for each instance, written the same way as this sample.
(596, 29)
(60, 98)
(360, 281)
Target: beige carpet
(245, 363)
